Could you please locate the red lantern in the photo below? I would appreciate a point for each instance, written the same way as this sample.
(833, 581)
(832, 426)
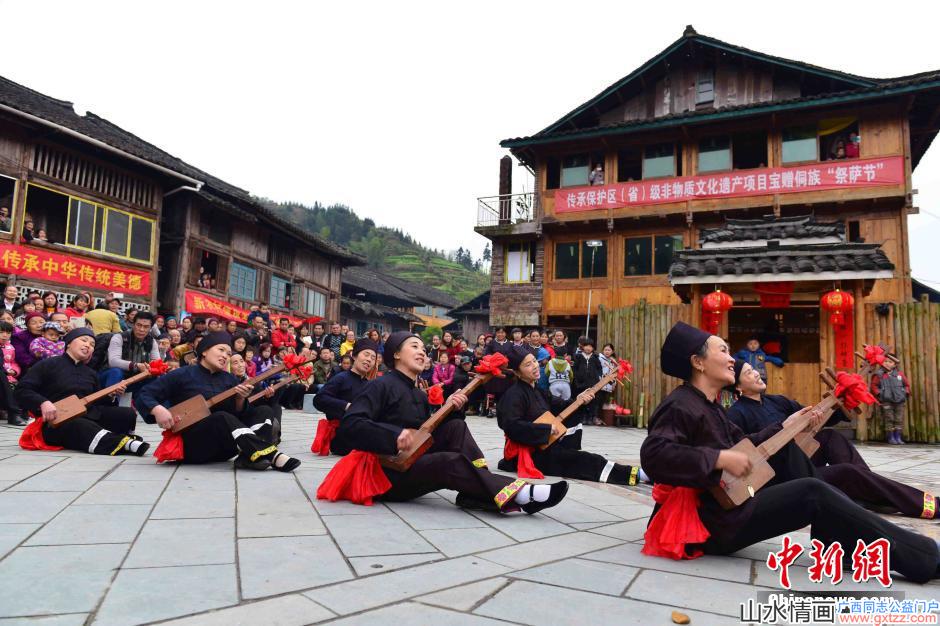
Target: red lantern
(840, 305)
(774, 295)
(713, 306)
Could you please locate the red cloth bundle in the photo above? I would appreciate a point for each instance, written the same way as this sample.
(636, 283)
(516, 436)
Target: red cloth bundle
(292, 363)
(525, 466)
(326, 430)
(170, 448)
(676, 524)
(32, 439)
(624, 369)
(436, 395)
(158, 367)
(852, 390)
(492, 364)
(875, 355)
(358, 478)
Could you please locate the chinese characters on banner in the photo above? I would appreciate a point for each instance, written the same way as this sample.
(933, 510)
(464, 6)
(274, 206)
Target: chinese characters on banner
(203, 304)
(43, 264)
(740, 183)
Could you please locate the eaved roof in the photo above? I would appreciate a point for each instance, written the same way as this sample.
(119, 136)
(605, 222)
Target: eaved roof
(428, 295)
(370, 283)
(771, 228)
(236, 200)
(479, 305)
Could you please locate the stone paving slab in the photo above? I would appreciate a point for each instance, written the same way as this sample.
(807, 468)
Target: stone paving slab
(212, 545)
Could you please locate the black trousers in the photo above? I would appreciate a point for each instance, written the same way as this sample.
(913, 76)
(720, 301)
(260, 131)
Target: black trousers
(102, 430)
(832, 516)
(292, 396)
(566, 458)
(835, 448)
(7, 401)
(221, 435)
(449, 464)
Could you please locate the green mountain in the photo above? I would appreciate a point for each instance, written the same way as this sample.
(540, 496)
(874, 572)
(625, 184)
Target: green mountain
(390, 250)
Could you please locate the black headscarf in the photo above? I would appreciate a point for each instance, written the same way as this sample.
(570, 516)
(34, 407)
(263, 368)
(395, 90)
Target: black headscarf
(393, 343)
(681, 343)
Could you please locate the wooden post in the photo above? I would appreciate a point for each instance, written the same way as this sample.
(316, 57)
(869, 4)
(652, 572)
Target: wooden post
(861, 425)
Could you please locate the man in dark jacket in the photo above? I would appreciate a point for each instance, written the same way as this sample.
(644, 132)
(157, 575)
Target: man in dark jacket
(587, 371)
(130, 352)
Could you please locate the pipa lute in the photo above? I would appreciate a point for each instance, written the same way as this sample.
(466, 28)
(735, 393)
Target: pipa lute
(72, 406)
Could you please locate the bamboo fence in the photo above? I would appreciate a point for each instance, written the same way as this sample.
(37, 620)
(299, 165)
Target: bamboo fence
(638, 332)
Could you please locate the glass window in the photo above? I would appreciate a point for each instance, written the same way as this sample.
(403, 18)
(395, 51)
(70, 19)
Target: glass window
(81, 228)
(242, 281)
(517, 263)
(666, 245)
(705, 87)
(638, 256)
(566, 260)
(316, 303)
(594, 259)
(575, 170)
(7, 196)
(141, 239)
(659, 160)
(117, 229)
(280, 292)
(799, 144)
(714, 154)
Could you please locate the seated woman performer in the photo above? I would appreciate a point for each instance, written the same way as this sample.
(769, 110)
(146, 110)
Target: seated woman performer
(756, 410)
(688, 446)
(229, 430)
(384, 417)
(516, 413)
(267, 403)
(337, 394)
(104, 429)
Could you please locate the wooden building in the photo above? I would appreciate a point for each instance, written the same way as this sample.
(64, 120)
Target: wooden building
(373, 299)
(635, 188)
(472, 318)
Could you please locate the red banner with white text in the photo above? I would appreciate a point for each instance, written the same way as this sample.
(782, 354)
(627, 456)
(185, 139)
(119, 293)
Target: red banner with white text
(856, 173)
(202, 304)
(44, 264)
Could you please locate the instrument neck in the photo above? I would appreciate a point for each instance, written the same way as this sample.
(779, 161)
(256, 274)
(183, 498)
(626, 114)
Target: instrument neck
(219, 398)
(439, 415)
(275, 387)
(574, 406)
(787, 433)
(101, 393)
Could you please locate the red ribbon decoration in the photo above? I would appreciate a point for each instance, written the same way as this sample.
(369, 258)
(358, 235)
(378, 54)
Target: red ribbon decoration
(492, 364)
(158, 367)
(292, 363)
(852, 390)
(525, 466)
(436, 395)
(357, 477)
(676, 523)
(875, 355)
(171, 448)
(326, 430)
(32, 439)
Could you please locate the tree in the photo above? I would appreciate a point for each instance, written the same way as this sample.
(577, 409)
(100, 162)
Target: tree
(487, 254)
(429, 332)
(375, 251)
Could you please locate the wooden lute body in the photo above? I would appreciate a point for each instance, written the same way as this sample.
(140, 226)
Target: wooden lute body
(72, 406)
(559, 420)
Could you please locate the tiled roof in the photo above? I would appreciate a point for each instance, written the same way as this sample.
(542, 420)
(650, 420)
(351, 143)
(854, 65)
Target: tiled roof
(767, 263)
(372, 283)
(770, 228)
(378, 310)
(479, 305)
(428, 295)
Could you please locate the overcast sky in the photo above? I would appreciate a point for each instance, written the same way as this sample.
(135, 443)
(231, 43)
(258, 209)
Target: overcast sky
(397, 108)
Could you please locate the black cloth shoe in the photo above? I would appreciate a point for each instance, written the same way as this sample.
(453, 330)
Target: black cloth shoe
(289, 466)
(557, 494)
(243, 461)
(15, 418)
(142, 449)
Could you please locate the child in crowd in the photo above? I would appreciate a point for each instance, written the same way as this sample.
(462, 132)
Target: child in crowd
(250, 368)
(757, 358)
(49, 344)
(10, 366)
(560, 376)
(346, 362)
(424, 379)
(444, 373)
(892, 388)
(587, 371)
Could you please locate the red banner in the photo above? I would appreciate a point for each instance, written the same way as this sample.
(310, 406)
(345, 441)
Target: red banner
(44, 264)
(740, 183)
(202, 304)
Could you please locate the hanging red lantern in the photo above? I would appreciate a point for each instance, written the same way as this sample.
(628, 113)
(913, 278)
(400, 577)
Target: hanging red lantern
(840, 306)
(774, 295)
(713, 306)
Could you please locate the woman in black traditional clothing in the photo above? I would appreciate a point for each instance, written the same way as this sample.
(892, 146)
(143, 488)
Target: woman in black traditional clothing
(688, 446)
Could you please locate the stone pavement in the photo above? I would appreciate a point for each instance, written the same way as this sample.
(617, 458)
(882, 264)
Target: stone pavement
(106, 541)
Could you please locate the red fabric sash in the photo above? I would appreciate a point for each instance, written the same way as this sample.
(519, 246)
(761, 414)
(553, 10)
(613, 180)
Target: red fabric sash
(525, 466)
(326, 430)
(675, 524)
(32, 438)
(357, 477)
(171, 448)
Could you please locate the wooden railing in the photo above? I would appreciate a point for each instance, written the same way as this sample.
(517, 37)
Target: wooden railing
(506, 209)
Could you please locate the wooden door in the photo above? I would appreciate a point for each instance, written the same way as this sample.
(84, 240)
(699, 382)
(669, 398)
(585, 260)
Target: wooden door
(799, 381)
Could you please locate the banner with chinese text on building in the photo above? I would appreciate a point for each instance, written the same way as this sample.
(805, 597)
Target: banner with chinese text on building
(202, 304)
(44, 264)
(739, 183)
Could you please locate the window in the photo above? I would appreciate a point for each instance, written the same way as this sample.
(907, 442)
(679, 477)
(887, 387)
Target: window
(7, 198)
(280, 252)
(629, 164)
(576, 259)
(838, 139)
(799, 144)
(705, 87)
(638, 256)
(280, 292)
(749, 150)
(316, 303)
(519, 261)
(83, 224)
(206, 270)
(242, 281)
(575, 170)
(552, 173)
(714, 154)
(362, 328)
(644, 256)
(216, 225)
(854, 232)
(566, 260)
(659, 160)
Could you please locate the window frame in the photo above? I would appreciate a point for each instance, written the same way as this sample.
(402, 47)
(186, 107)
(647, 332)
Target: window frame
(580, 260)
(816, 136)
(307, 291)
(651, 236)
(12, 207)
(234, 266)
(288, 290)
(104, 231)
(698, 154)
(675, 157)
(526, 270)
